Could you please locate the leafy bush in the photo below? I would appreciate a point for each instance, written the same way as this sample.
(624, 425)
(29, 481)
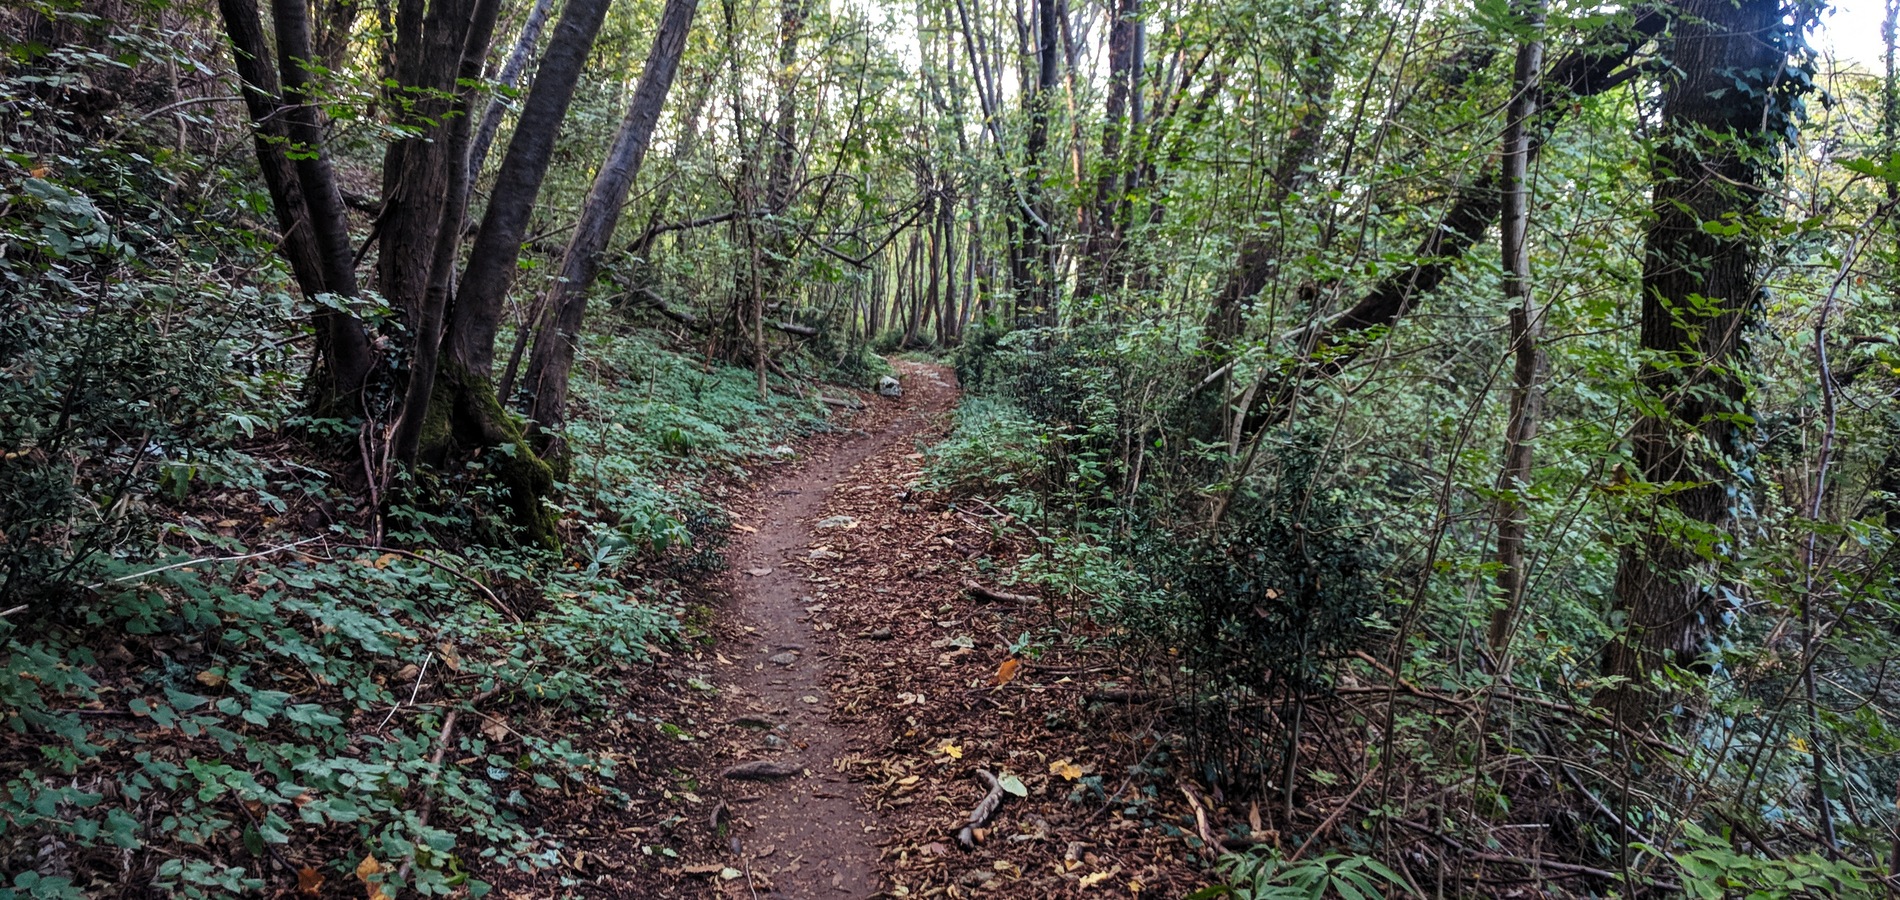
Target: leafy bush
(126, 348)
(1268, 876)
(994, 445)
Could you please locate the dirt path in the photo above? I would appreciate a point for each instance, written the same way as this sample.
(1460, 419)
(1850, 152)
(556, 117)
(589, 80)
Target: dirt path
(806, 834)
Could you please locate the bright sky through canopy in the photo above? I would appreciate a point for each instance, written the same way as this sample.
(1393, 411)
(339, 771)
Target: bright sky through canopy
(1851, 29)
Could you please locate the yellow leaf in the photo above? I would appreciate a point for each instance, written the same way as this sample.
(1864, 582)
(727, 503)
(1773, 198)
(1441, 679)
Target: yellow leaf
(383, 561)
(1134, 886)
(951, 750)
(367, 869)
(1007, 671)
(1066, 769)
(1089, 881)
(210, 679)
(309, 881)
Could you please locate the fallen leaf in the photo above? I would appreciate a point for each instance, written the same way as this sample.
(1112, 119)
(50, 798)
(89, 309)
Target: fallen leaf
(951, 750)
(210, 679)
(1013, 785)
(759, 572)
(1093, 880)
(1066, 769)
(367, 869)
(309, 881)
(1007, 671)
(383, 561)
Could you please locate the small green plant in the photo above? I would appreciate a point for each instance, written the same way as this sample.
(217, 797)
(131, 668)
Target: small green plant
(1713, 870)
(1268, 876)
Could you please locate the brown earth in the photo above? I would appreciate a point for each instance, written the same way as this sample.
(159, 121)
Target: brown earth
(848, 650)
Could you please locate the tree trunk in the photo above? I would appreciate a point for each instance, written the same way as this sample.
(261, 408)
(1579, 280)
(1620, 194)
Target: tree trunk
(511, 70)
(306, 201)
(496, 252)
(1590, 70)
(1038, 266)
(448, 240)
(1526, 398)
(1721, 129)
(556, 341)
(1103, 244)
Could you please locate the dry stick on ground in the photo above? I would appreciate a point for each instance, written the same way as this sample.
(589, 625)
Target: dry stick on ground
(995, 596)
(189, 562)
(1130, 778)
(1532, 864)
(1332, 819)
(1211, 846)
(435, 761)
(471, 582)
(984, 810)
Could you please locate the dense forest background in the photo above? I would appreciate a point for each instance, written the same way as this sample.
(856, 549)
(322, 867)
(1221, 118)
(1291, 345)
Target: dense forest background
(1478, 415)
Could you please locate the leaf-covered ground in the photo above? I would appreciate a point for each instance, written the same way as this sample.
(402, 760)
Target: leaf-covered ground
(925, 681)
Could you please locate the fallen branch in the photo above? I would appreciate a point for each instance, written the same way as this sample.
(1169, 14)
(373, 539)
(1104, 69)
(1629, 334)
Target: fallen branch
(1211, 846)
(435, 763)
(793, 328)
(1121, 695)
(1532, 864)
(762, 770)
(1332, 819)
(462, 576)
(995, 596)
(192, 562)
(984, 810)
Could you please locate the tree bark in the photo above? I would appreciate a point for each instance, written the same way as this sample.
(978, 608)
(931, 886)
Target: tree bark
(1102, 248)
(510, 73)
(427, 334)
(557, 340)
(1722, 122)
(1039, 271)
(307, 204)
(496, 251)
(1526, 398)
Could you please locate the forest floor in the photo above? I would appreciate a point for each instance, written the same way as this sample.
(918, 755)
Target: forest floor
(824, 738)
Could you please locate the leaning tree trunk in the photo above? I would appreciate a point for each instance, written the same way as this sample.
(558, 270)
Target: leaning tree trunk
(510, 73)
(555, 341)
(1722, 120)
(308, 207)
(466, 413)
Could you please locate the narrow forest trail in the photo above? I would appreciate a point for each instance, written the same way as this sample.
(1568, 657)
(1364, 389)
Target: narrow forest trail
(804, 834)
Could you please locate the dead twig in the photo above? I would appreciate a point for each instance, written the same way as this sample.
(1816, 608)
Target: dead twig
(984, 809)
(189, 562)
(1211, 846)
(993, 595)
(461, 576)
(1333, 818)
(435, 762)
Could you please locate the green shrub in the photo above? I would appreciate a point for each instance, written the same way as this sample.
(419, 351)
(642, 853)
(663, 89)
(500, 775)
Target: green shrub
(993, 446)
